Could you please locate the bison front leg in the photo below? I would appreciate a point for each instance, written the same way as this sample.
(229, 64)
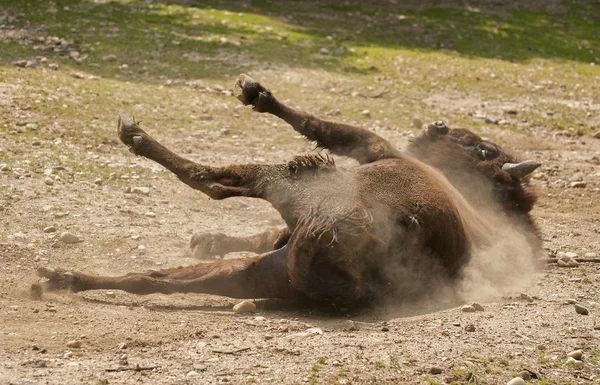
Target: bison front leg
(207, 245)
(216, 182)
(263, 276)
(340, 139)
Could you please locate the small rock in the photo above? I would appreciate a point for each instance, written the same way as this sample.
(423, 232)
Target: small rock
(49, 181)
(570, 301)
(111, 294)
(31, 126)
(324, 51)
(4, 167)
(50, 229)
(53, 66)
(477, 306)
(591, 255)
(577, 354)
(510, 110)
(19, 237)
(366, 113)
(525, 375)
(40, 364)
(491, 119)
(418, 123)
(567, 261)
(110, 58)
(349, 325)
(246, 306)
(98, 182)
(468, 309)
(150, 214)
(516, 381)
(581, 310)
(578, 184)
(123, 345)
(597, 135)
(69, 238)
(268, 337)
(470, 328)
(140, 190)
(199, 367)
(526, 297)
(75, 344)
(435, 370)
(21, 63)
(193, 373)
(576, 363)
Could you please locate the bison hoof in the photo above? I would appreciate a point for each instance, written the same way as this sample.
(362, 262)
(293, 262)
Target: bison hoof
(130, 133)
(58, 279)
(250, 92)
(206, 246)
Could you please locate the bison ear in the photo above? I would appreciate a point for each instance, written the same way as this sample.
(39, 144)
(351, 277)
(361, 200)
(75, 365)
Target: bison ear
(519, 170)
(437, 128)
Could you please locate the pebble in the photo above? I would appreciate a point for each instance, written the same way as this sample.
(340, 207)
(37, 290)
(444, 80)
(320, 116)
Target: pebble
(578, 184)
(324, 51)
(49, 229)
(570, 301)
(418, 123)
(526, 297)
(31, 126)
(470, 328)
(4, 167)
(477, 306)
(581, 310)
(150, 214)
(491, 119)
(525, 375)
(435, 370)
(123, 345)
(577, 354)
(199, 367)
(576, 363)
(591, 255)
(246, 306)
(98, 182)
(468, 309)
(75, 344)
(111, 294)
(516, 381)
(53, 66)
(366, 113)
(69, 238)
(349, 325)
(110, 58)
(567, 261)
(193, 373)
(140, 190)
(49, 181)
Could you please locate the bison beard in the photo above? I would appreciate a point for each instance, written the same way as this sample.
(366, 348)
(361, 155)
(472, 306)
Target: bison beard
(396, 226)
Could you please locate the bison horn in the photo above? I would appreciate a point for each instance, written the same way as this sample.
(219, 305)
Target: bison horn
(519, 170)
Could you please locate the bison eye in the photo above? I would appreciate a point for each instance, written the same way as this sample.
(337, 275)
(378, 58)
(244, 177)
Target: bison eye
(487, 151)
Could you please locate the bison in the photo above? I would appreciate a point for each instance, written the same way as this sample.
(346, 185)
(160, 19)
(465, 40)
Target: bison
(359, 235)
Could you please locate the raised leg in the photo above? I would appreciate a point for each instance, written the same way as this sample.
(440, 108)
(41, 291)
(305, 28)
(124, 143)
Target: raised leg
(206, 245)
(340, 139)
(264, 276)
(216, 182)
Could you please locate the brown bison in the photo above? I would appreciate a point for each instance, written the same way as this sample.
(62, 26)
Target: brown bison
(353, 236)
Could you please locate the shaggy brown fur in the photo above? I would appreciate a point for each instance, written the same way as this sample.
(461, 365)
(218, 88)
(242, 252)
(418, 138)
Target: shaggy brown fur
(359, 235)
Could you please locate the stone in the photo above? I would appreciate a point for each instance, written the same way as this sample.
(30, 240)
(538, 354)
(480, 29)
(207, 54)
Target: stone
(526, 297)
(477, 306)
(74, 344)
(199, 367)
(111, 294)
(69, 238)
(49, 181)
(470, 328)
(581, 310)
(597, 135)
(567, 261)
(349, 325)
(193, 373)
(525, 375)
(578, 184)
(246, 306)
(577, 354)
(324, 51)
(590, 255)
(31, 126)
(140, 190)
(575, 363)
(468, 309)
(123, 345)
(491, 119)
(417, 123)
(435, 370)
(570, 301)
(98, 182)
(49, 229)
(366, 113)
(110, 58)
(150, 214)
(516, 381)
(4, 167)
(53, 66)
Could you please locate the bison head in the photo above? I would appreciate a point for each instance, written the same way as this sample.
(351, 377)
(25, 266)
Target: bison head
(478, 168)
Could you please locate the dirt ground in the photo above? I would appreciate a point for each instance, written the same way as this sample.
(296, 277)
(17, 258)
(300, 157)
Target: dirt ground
(197, 338)
(62, 166)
